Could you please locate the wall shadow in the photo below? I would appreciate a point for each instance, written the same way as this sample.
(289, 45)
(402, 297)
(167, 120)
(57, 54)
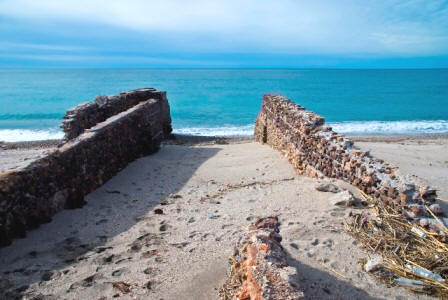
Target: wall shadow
(112, 209)
(317, 284)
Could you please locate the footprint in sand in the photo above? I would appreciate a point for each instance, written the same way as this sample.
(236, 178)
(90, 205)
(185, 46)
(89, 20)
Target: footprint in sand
(119, 272)
(294, 245)
(106, 259)
(86, 282)
(70, 249)
(146, 240)
(102, 221)
(180, 245)
(151, 271)
(328, 242)
(164, 227)
(50, 275)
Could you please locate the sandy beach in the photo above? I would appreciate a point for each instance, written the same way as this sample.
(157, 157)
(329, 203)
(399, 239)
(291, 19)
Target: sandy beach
(165, 226)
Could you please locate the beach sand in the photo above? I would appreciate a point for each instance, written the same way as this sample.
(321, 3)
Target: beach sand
(18, 155)
(167, 224)
(425, 158)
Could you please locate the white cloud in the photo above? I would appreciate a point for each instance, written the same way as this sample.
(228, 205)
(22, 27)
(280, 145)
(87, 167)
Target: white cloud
(396, 27)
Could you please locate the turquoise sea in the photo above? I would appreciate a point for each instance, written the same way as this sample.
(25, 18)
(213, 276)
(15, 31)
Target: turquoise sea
(226, 101)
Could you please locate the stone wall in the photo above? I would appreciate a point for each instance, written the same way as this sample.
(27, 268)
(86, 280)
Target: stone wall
(314, 149)
(87, 115)
(258, 267)
(89, 157)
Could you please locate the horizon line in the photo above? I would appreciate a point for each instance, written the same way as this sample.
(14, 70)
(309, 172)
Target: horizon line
(223, 68)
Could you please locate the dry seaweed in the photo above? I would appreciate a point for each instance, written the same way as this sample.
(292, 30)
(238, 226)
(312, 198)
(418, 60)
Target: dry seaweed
(122, 286)
(407, 249)
(233, 282)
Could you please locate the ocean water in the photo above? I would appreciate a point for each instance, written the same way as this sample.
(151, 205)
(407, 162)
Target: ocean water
(226, 101)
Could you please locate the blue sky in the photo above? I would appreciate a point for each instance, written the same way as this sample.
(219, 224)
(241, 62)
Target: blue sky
(231, 33)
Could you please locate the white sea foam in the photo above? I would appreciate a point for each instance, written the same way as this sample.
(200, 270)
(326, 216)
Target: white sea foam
(349, 127)
(236, 131)
(391, 127)
(18, 135)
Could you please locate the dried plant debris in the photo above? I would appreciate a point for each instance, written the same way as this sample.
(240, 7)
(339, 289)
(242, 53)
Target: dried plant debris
(122, 286)
(402, 252)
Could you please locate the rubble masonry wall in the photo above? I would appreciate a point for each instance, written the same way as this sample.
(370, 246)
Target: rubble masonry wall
(127, 127)
(314, 149)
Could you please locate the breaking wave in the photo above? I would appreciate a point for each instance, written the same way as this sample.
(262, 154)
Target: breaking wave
(439, 127)
(436, 127)
(236, 131)
(19, 135)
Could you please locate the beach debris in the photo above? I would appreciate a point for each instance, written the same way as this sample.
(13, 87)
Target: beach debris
(425, 273)
(418, 232)
(344, 198)
(428, 193)
(425, 222)
(373, 263)
(327, 187)
(417, 209)
(122, 286)
(269, 222)
(230, 187)
(413, 257)
(258, 267)
(436, 209)
(417, 285)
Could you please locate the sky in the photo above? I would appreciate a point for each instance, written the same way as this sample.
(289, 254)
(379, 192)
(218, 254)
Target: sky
(223, 34)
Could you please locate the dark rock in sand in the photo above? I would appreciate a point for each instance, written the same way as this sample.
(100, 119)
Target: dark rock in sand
(158, 211)
(327, 187)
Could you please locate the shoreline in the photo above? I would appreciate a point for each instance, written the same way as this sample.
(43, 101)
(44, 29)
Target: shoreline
(15, 155)
(197, 139)
(421, 157)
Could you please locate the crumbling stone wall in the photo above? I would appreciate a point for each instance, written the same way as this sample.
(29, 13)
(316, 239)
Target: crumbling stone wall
(32, 195)
(314, 149)
(258, 267)
(87, 115)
